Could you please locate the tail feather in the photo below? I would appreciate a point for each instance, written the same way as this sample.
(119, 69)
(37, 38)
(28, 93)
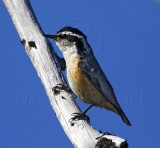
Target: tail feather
(117, 109)
(124, 118)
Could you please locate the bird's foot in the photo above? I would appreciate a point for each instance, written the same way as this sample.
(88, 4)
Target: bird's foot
(61, 87)
(79, 116)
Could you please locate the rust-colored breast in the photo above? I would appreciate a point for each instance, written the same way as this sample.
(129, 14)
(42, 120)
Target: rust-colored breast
(83, 88)
(75, 76)
(80, 84)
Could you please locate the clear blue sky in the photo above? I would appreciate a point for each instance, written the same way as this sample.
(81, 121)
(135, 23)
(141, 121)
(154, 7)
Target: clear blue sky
(125, 36)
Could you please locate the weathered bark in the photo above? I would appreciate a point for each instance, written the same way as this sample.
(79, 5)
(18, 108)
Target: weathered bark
(81, 134)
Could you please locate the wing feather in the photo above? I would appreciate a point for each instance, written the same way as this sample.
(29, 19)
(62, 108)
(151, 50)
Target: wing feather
(91, 69)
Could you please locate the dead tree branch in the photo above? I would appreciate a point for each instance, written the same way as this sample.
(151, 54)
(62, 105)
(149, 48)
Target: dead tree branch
(82, 134)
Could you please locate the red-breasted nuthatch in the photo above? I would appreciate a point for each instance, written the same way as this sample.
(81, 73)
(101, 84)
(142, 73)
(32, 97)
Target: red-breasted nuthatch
(85, 76)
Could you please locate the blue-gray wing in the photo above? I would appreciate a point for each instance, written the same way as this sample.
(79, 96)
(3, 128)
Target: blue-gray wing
(91, 69)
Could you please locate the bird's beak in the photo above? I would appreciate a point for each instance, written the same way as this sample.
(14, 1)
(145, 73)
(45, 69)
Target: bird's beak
(50, 36)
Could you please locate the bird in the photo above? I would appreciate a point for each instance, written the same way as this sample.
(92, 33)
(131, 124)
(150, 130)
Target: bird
(85, 76)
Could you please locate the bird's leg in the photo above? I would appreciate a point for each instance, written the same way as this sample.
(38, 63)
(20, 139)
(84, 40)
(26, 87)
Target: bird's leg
(81, 115)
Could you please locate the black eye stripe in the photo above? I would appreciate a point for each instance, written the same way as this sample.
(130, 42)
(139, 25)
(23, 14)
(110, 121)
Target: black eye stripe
(80, 45)
(70, 38)
(62, 36)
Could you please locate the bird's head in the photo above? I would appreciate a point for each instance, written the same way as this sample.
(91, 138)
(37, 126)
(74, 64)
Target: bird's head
(70, 41)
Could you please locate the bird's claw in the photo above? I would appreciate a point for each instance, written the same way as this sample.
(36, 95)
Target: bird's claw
(79, 116)
(61, 87)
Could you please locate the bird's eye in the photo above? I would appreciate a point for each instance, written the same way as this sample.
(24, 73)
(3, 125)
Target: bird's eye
(62, 36)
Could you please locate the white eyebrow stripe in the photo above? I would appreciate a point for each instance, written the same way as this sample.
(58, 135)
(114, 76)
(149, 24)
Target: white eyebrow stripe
(70, 33)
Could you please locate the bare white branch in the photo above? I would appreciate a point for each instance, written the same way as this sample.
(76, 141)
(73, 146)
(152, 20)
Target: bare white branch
(82, 134)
